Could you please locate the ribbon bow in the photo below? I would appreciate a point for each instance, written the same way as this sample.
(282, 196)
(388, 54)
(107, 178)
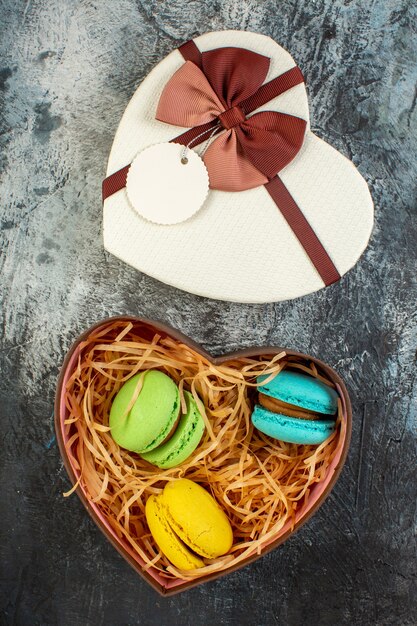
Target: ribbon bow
(219, 95)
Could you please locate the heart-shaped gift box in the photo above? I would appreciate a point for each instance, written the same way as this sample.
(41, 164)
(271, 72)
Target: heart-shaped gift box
(148, 329)
(251, 240)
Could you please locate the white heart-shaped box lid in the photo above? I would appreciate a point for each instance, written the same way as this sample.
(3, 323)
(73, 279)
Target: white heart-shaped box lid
(238, 246)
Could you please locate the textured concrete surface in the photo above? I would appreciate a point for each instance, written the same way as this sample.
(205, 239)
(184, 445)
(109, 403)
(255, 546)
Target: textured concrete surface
(67, 71)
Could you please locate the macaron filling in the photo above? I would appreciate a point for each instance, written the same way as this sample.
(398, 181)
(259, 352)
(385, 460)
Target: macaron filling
(277, 406)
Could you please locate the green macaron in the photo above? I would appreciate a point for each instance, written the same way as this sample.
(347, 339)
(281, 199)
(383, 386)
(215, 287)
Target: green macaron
(183, 442)
(153, 416)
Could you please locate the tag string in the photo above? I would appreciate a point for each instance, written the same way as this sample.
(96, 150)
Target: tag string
(185, 148)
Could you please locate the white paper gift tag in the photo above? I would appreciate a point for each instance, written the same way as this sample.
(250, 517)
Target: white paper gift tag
(167, 184)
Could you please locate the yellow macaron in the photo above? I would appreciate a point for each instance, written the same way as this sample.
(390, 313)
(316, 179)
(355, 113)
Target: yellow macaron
(186, 521)
(166, 539)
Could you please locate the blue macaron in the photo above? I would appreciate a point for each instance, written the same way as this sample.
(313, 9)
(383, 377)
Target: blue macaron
(295, 407)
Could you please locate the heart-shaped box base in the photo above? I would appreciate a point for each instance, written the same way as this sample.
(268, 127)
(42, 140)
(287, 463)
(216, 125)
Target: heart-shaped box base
(148, 329)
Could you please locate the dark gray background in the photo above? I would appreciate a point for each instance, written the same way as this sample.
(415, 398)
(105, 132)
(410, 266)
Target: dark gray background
(67, 71)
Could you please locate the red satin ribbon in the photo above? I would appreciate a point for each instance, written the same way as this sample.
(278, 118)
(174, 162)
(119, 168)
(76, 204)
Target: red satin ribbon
(207, 90)
(302, 230)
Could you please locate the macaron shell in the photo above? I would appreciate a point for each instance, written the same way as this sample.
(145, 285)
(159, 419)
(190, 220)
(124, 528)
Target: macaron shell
(301, 390)
(153, 415)
(166, 539)
(291, 429)
(197, 518)
(183, 442)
